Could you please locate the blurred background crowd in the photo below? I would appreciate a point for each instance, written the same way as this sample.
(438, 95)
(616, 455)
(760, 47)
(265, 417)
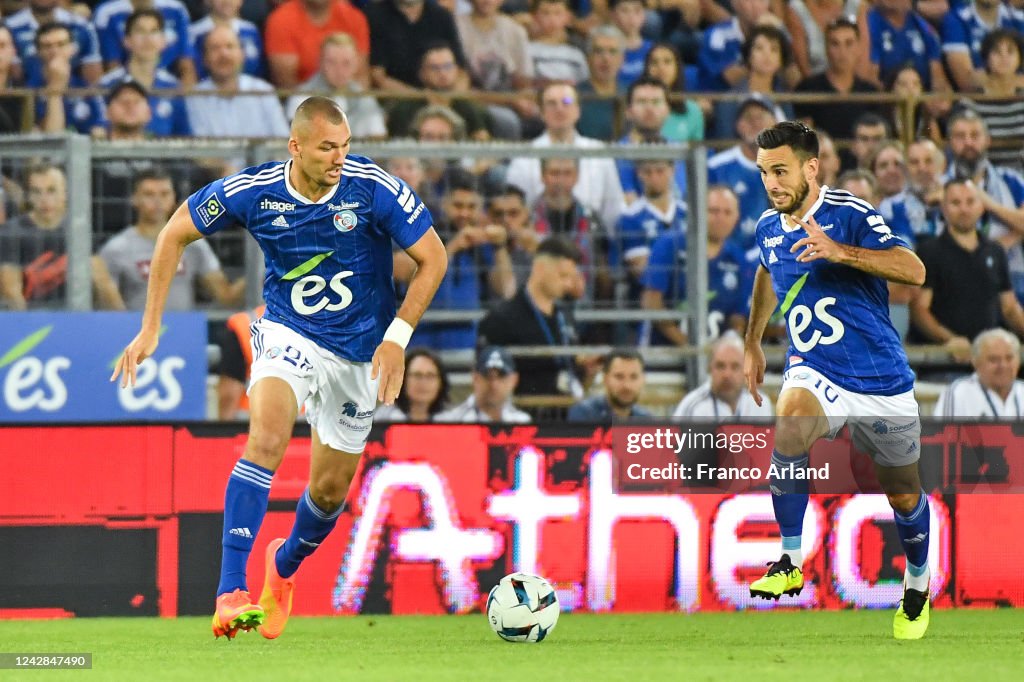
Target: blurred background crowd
(918, 105)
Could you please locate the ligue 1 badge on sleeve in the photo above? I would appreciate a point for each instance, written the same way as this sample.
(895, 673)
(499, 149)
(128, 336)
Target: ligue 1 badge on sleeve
(345, 220)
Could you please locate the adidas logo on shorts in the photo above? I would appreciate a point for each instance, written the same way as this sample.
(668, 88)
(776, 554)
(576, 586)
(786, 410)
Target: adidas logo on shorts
(279, 221)
(240, 532)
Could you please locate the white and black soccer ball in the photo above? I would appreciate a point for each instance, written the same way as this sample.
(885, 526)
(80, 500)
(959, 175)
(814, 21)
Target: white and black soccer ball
(522, 608)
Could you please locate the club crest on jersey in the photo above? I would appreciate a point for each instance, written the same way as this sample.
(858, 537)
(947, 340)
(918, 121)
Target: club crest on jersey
(345, 221)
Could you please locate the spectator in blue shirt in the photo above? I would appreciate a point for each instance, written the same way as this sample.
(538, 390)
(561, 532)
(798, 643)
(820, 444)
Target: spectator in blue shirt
(964, 29)
(111, 18)
(916, 212)
(736, 167)
(56, 109)
(226, 12)
(720, 60)
(479, 267)
(658, 211)
(628, 16)
(766, 55)
(623, 384)
(24, 24)
(647, 109)
(898, 35)
(144, 41)
(730, 275)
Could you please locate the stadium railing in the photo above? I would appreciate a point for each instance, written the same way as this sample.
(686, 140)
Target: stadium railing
(80, 155)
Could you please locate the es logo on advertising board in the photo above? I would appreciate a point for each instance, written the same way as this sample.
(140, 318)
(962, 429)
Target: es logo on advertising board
(56, 366)
(156, 386)
(31, 382)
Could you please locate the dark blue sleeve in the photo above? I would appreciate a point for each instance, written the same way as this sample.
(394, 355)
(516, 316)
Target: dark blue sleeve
(868, 230)
(212, 210)
(400, 213)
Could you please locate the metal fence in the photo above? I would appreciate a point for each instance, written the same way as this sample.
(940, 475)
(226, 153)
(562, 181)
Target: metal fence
(100, 175)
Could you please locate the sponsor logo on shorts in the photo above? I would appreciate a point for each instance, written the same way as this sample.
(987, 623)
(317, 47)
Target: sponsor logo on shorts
(881, 426)
(351, 410)
(345, 221)
(210, 210)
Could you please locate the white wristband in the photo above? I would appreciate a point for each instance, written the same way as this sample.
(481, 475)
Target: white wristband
(399, 332)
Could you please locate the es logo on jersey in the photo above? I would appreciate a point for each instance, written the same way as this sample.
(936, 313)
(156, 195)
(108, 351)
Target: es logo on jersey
(210, 211)
(345, 221)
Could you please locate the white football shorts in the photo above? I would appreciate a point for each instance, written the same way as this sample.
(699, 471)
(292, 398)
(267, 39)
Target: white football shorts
(338, 394)
(886, 427)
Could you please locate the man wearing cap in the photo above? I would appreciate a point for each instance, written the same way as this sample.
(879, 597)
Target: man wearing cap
(494, 380)
(736, 167)
(623, 383)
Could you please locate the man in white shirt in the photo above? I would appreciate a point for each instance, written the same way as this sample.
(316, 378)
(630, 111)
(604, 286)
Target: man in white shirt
(339, 64)
(493, 382)
(598, 187)
(993, 391)
(722, 397)
(221, 111)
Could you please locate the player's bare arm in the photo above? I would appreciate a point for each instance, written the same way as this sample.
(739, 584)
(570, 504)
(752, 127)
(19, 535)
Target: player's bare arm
(389, 358)
(179, 232)
(898, 264)
(762, 305)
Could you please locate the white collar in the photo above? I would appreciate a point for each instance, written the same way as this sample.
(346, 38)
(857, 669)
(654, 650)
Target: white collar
(297, 195)
(807, 216)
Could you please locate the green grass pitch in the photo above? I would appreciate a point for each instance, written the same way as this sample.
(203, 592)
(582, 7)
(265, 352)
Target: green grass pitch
(977, 645)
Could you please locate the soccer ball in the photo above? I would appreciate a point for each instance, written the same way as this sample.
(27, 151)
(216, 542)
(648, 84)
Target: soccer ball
(522, 608)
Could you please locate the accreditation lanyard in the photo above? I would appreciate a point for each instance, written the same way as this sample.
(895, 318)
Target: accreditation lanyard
(714, 406)
(992, 405)
(545, 329)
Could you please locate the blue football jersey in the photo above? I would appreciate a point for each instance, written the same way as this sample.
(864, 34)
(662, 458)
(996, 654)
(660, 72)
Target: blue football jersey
(329, 263)
(837, 317)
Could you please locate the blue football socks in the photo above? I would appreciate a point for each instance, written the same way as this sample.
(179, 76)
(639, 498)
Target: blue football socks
(245, 505)
(789, 498)
(913, 530)
(312, 526)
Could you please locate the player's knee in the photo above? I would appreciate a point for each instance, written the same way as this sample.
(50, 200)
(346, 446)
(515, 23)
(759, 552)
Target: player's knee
(267, 447)
(794, 434)
(328, 494)
(904, 503)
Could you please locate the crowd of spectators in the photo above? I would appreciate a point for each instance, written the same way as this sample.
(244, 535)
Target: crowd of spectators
(591, 74)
